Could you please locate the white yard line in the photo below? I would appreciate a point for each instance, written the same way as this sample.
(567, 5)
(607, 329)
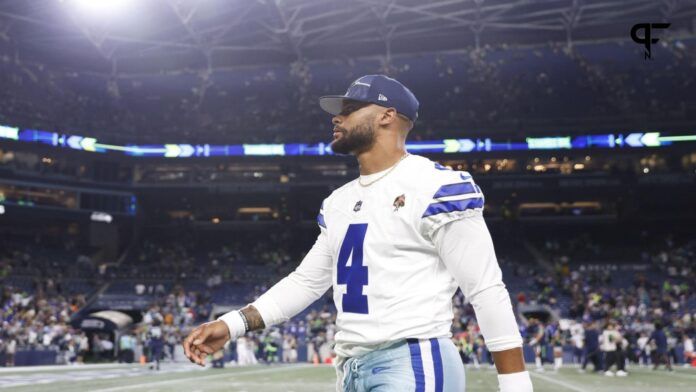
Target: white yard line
(678, 375)
(212, 376)
(21, 369)
(557, 382)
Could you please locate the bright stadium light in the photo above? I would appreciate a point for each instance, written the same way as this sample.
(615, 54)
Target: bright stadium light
(101, 217)
(103, 7)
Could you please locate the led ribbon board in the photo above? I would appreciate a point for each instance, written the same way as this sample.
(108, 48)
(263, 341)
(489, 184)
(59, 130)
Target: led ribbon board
(445, 146)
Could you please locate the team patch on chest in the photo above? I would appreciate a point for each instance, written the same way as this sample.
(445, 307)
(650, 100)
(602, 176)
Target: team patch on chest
(399, 202)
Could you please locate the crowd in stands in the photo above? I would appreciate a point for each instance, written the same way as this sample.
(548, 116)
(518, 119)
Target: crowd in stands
(489, 88)
(42, 264)
(42, 322)
(39, 321)
(177, 282)
(181, 283)
(579, 298)
(612, 298)
(243, 261)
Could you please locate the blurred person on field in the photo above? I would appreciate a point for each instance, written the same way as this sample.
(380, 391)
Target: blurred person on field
(610, 340)
(661, 353)
(689, 354)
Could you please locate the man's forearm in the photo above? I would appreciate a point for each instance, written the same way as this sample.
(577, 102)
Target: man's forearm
(287, 298)
(282, 301)
(253, 318)
(296, 291)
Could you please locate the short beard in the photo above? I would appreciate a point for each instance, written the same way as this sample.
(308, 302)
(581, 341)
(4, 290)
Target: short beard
(356, 141)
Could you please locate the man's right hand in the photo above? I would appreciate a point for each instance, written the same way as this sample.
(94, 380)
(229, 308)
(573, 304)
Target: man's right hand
(205, 340)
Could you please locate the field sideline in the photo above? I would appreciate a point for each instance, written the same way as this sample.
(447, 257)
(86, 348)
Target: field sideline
(300, 378)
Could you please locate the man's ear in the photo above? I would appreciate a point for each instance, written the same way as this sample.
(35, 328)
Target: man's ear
(388, 116)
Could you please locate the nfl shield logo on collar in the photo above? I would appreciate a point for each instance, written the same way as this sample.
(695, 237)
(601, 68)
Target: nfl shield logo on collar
(358, 205)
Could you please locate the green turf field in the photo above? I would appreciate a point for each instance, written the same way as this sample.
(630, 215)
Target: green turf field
(304, 378)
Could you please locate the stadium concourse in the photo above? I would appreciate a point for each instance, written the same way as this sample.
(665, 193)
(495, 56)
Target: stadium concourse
(155, 178)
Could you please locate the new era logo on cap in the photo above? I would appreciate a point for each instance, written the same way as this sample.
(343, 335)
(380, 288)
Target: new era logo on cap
(375, 89)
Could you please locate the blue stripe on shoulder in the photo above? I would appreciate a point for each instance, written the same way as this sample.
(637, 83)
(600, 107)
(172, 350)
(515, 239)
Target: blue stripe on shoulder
(417, 364)
(320, 221)
(449, 206)
(437, 364)
(461, 188)
(440, 167)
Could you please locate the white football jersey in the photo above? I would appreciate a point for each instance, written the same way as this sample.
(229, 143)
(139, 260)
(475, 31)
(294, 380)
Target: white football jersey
(388, 280)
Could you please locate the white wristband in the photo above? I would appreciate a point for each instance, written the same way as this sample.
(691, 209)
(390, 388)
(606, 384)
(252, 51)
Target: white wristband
(234, 323)
(515, 382)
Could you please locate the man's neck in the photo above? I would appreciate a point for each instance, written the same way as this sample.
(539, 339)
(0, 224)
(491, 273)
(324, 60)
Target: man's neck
(379, 158)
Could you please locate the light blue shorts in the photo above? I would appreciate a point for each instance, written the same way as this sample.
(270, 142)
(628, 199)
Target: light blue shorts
(420, 365)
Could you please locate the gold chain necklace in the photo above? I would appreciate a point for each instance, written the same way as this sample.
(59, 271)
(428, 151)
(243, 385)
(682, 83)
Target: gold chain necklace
(385, 174)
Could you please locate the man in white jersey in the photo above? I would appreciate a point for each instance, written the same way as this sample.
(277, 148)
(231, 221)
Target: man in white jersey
(395, 244)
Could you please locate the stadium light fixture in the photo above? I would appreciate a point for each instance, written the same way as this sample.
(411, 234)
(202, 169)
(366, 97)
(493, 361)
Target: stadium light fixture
(101, 217)
(100, 7)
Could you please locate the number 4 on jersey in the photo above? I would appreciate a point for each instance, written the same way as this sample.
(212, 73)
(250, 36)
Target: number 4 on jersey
(355, 275)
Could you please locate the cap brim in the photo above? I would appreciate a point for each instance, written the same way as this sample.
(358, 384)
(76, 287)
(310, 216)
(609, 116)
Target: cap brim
(332, 104)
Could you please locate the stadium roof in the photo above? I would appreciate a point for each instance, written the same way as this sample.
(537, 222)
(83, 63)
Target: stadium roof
(159, 35)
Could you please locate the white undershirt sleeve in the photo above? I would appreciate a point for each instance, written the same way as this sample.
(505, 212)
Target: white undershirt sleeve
(298, 290)
(301, 288)
(466, 248)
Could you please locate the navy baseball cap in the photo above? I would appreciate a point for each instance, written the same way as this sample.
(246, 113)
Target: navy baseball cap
(377, 89)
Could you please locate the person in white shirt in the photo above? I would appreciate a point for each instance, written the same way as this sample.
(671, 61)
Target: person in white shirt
(245, 352)
(609, 342)
(644, 348)
(577, 336)
(82, 348)
(395, 244)
(10, 351)
(689, 354)
(289, 349)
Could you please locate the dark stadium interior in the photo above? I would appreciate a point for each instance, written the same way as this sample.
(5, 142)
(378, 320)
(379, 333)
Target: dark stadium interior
(561, 233)
(581, 234)
(184, 82)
